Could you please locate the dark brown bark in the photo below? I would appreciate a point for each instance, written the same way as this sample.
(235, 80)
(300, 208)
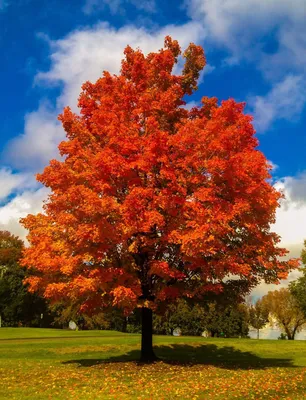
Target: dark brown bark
(294, 331)
(290, 335)
(147, 353)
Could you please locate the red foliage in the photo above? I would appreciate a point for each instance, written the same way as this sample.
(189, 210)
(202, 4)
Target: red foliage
(153, 201)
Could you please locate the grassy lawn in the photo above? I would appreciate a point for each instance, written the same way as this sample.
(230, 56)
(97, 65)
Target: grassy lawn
(55, 364)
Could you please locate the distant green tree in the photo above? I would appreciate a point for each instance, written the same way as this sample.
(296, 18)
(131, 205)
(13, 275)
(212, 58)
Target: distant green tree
(193, 319)
(188, 317)
(298, 287)
(17, 305)
(258, 316)
(230, 321)
(298, 290)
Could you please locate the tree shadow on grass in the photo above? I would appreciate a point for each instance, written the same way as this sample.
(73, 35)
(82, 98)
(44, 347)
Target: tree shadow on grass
(207, 354)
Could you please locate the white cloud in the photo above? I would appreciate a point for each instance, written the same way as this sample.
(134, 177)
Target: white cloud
(84, 54)
(118, 6)
(33, 149)
(29, 202)
(286, 100)
(11, 182)
(289, 225)
(291, 215)
(245, 28)
(242, 25)
(294, 189)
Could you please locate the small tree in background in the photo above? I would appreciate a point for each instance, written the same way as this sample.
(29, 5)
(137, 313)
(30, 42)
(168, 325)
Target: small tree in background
(17, 305)
(189, 318)
(284, 309)
(152, 201)
(258, 316)
(298, 288)
(229, 321)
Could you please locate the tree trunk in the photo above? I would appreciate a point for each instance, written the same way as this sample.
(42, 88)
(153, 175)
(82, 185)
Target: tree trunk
(147, 353)
(257, 333)
(290, 335)
(294, 332)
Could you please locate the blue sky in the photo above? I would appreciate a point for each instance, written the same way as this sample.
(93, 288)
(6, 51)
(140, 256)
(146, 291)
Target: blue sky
(256, 52)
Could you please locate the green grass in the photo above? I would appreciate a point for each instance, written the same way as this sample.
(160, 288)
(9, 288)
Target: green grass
(57, 364)
(33, 333)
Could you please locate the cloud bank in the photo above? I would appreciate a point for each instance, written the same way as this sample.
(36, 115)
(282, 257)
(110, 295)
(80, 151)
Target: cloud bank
(242, 28)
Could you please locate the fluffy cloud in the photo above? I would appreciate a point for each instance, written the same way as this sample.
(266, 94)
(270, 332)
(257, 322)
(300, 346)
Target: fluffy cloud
(84, 54)
(290, 216)
(240, 26)
(286, 100)
(29, 202)
(289, 225)
(244, 28)
(294, 189)
(38, 144)
(14, 182)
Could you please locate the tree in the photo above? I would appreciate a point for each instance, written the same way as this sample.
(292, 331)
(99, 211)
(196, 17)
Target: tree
(258, 316)
(153, 201)
(283, 307)
(298, 287)
(108, 319)
(17, 305)
(189, 318)
(229, 321)
(298, 290)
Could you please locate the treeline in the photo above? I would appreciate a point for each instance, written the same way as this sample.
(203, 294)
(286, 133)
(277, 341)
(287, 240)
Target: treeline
(225, 315)
(186, 319)
(18, 307)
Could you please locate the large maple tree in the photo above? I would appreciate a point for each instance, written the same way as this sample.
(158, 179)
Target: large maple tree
(153, 201)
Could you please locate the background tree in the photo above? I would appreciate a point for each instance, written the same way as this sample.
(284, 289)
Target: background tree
(229, 321)
(258, 316)
(284, 309)
(189, 318)
(298, 290)
(110, 319)
(17, 305)
(152, 201)
(298, 287)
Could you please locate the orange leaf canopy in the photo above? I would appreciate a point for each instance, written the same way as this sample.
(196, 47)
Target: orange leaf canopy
(153, 201)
